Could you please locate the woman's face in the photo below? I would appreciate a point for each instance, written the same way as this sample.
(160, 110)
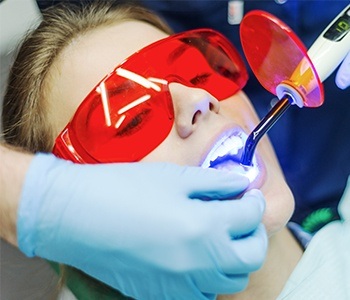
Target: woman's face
(200, 120)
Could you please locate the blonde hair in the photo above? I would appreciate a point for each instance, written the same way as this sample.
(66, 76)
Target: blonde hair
(25, 111)
(25, 119)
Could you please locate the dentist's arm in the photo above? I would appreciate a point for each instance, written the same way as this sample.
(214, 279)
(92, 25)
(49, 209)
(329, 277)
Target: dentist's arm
(147, 229)
(13, 167)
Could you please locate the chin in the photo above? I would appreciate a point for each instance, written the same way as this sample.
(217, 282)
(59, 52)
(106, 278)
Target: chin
(279, 204)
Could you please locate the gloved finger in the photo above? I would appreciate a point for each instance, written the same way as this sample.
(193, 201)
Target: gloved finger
(220, 283)
(342, 78)
(213, 184)
(247, 253)
(242, 216)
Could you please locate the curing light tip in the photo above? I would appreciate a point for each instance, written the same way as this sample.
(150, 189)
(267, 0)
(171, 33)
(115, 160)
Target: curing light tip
(265, 124)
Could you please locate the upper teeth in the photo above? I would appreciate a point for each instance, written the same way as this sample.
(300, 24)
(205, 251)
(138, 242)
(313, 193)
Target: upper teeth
(225, 146)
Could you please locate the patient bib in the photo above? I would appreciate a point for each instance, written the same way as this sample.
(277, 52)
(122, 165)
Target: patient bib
(324, 270)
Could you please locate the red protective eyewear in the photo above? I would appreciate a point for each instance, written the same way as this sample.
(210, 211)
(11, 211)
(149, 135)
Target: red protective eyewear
(130, 112)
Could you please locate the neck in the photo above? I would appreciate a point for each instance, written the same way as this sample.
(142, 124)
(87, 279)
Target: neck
(267, 283)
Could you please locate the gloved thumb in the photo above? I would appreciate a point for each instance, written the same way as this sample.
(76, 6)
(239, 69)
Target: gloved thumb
(212, 184)
(342, 78)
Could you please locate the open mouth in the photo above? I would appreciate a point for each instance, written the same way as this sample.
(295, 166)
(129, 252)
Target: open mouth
(226, 155)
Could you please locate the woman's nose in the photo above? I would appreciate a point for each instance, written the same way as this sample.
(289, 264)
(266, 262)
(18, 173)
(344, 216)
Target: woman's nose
(192, 106)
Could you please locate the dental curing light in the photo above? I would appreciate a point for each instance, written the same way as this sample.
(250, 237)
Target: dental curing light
(283, 66)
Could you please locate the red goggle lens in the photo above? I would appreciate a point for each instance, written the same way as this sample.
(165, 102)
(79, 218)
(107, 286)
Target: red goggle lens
(130, 112)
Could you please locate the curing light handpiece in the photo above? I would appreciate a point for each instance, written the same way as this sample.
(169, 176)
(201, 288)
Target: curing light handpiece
(326, 53)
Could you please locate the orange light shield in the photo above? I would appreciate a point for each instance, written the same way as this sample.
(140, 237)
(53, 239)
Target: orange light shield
(276, 55)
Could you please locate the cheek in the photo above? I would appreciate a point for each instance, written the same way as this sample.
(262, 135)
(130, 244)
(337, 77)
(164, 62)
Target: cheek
(174, 150)
(279, 204)
(279, 198)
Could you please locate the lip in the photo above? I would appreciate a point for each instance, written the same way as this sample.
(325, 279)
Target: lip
(225, 152)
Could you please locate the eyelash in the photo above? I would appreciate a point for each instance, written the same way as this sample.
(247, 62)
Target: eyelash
(133, 125)
(200, 79)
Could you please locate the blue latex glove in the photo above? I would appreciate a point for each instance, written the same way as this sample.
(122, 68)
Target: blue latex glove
(141, 228)
(342, 78)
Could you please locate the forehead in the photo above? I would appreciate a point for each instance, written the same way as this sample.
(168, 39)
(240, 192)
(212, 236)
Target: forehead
(84, 62)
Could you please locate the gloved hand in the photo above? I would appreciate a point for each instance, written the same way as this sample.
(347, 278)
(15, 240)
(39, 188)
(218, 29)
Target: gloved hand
(141, 227)
(342, 79)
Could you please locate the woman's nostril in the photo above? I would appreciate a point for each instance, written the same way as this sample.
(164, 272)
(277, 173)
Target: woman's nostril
(211, 106)
(196, 116)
